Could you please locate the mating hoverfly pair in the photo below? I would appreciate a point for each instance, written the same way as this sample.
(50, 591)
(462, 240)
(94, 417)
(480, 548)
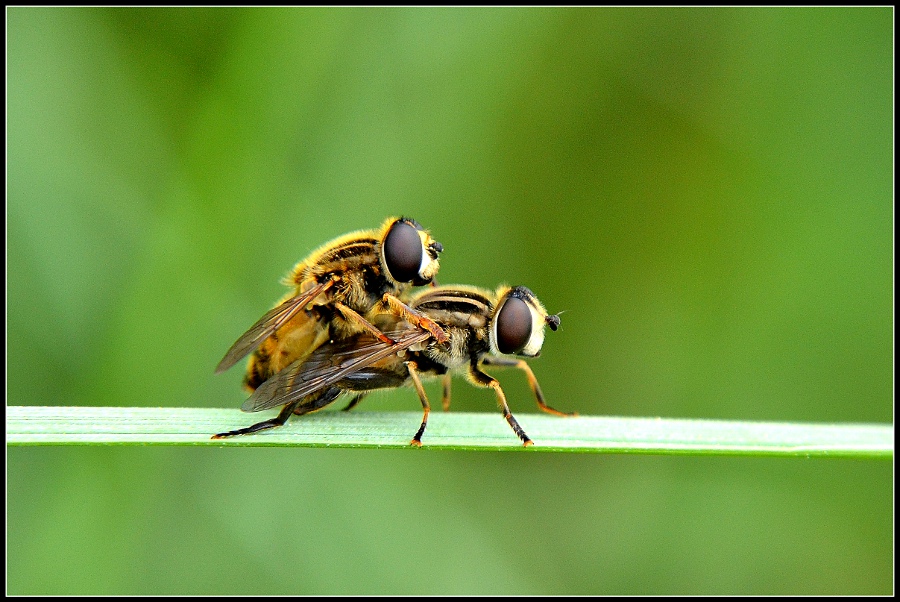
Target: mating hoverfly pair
(351, 326)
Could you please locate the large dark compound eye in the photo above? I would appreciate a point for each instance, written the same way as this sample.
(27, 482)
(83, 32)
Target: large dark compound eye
(403, 252)
(513, 326)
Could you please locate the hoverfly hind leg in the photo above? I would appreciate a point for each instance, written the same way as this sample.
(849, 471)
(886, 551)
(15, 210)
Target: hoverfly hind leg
(354, 402)
(311, 404)
(261, 426)
(426, 407)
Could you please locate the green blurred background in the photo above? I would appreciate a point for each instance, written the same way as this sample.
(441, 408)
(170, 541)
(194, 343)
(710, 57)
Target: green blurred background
(708, 193)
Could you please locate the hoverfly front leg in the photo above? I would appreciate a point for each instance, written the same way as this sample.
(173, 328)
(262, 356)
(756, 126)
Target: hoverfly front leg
(404, 311)
(349, 314)
(486, 380)
(532, 381)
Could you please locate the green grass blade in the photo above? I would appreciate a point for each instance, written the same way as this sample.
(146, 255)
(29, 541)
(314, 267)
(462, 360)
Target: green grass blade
(36, 425)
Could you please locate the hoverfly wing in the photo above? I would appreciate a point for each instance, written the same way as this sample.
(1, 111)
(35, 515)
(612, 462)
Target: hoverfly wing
(326, 366)
(264, 328)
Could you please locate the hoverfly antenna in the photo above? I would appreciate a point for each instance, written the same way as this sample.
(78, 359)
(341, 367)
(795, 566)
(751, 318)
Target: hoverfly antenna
(553, 321)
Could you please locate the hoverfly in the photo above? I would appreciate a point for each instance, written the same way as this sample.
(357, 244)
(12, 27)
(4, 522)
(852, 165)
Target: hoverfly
(484, 328)
(337, 290)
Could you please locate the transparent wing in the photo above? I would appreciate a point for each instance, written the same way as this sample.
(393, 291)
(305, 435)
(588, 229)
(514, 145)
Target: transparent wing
(268, 324)
(327, 365)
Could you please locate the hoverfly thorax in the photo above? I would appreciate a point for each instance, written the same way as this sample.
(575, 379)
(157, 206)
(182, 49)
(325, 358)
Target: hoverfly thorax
(517, 324)
(408, 253)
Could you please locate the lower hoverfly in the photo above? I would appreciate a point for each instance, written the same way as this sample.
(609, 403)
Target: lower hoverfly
(483, 328)
(336, 291)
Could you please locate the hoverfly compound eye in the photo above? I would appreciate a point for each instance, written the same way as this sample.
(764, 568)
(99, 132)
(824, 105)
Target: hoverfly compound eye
(403, 252)
(513, 326)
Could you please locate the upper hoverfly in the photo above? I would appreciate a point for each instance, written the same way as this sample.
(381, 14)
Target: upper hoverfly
(484, 328)
(336, 291)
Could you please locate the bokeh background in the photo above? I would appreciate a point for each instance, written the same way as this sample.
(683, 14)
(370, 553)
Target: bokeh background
(708, 193)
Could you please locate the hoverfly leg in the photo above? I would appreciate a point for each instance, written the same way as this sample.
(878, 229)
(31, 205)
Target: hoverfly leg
(417, 439)
(354, 402)
(488, 381)
(261, 426)
(404, 311)
(353, 316)
(532, 381)
(317, 401)
(445, 399)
